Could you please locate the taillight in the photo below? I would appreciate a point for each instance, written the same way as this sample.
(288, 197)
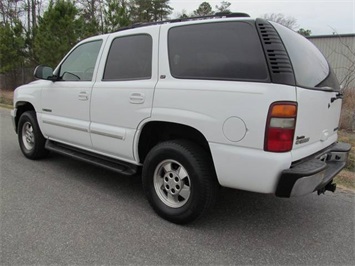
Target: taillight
(280, 127)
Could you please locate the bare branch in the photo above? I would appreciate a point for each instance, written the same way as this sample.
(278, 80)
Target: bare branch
(289, 22)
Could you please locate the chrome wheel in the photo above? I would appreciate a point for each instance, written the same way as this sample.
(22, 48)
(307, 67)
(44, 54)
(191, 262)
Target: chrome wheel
(28, 138)
(172, 183)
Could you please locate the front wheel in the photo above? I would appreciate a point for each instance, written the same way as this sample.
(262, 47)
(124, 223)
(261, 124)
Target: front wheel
(179, 181)
(30, 136)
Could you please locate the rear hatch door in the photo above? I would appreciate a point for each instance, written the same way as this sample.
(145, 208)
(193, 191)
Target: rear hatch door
(318, 97)
(317, 121)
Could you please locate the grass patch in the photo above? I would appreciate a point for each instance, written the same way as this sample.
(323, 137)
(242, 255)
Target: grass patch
(349, 137)
(5, 101)
(6, 97)
(345, 179)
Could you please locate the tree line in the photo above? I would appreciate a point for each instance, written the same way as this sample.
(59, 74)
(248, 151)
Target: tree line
(41, 32)
(34, 32)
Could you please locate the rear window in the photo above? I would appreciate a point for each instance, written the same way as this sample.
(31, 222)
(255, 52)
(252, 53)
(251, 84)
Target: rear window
(310, 67)
(129, 58)
(223, 50)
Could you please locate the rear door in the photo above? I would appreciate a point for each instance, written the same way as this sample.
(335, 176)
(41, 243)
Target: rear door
(318, 96)
(123, 94)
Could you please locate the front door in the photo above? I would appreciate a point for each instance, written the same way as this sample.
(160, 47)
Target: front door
(66, 102)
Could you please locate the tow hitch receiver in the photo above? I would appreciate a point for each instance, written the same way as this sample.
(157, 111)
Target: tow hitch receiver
(330, 186)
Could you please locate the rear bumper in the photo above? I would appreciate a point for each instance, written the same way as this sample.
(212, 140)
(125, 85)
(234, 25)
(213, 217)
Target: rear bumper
(313, 174)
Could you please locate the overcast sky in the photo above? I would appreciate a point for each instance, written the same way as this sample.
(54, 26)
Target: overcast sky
(320, 16)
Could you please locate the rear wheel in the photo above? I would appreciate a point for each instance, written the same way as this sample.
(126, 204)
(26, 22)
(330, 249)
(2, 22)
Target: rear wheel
(30, 136)
(179, 181)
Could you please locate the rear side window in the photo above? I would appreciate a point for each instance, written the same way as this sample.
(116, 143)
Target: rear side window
(222, 50)
(310, 67)
(129, 58)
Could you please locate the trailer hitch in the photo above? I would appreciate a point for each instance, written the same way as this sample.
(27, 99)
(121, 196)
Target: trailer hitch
(330, 187)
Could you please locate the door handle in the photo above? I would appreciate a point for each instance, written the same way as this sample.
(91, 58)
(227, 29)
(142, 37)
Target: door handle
(83, 96)
(136, 98)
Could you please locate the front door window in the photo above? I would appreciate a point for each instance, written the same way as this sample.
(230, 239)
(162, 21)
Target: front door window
(80, 64)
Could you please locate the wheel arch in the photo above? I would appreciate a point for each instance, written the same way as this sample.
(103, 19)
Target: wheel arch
(22, 107)
(154, 132)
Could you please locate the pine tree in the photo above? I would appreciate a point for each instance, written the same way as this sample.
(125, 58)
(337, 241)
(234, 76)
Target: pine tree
(57, 32)
(150, 10)
(12, 46)
(116, 15)
(204, 9)
(92, 13)
(12, 52)
(161, 10)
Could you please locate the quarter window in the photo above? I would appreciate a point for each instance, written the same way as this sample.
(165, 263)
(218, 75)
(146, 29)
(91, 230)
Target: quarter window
(222, 50)
(80, 64)
(130, 58)
(310, 67)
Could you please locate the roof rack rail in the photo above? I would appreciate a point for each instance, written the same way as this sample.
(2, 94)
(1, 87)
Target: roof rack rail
(217, 15)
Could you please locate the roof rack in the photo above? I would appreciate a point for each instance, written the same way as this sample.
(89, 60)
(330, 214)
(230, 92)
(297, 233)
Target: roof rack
(217, 15)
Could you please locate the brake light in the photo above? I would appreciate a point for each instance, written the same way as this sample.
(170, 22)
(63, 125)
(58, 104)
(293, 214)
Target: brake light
(280, 126)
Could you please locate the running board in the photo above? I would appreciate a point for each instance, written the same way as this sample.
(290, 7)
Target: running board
(92, 158)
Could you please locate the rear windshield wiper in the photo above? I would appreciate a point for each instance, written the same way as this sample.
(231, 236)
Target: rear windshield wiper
(339, 95)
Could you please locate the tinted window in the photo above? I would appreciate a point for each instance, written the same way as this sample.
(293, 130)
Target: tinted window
(130, 57)
(310, 67)
(80, 64)
(224, 50)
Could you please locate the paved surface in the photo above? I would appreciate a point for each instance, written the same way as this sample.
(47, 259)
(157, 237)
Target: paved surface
(60, 211)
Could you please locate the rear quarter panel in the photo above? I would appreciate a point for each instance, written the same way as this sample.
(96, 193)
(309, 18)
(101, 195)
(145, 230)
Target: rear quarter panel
(207, 104)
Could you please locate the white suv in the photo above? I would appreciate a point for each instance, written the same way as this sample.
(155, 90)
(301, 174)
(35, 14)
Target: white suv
(196, 103)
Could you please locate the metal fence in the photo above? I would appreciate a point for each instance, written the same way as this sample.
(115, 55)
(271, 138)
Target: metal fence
(340, 53)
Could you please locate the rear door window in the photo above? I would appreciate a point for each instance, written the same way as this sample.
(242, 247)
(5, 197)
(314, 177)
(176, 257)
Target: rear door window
(129, 58)
(221, 50)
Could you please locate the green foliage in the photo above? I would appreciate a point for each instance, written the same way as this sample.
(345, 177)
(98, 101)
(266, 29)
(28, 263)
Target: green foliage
(91, 13)
(150, 10)
(349, 137)
(183, 15)
(58, 30)
(141, 11)
(116, 15)
(304, 32)
(91, 27)
(12, 46)
(160, 9)
(204, 9)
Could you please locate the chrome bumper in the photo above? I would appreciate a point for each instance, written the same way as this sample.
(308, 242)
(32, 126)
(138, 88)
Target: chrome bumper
(313, 174)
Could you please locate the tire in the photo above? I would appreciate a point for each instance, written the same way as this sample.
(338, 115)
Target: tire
(30, 136)
(179, 181)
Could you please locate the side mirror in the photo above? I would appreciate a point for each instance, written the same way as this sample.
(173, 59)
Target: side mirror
(43, 72)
